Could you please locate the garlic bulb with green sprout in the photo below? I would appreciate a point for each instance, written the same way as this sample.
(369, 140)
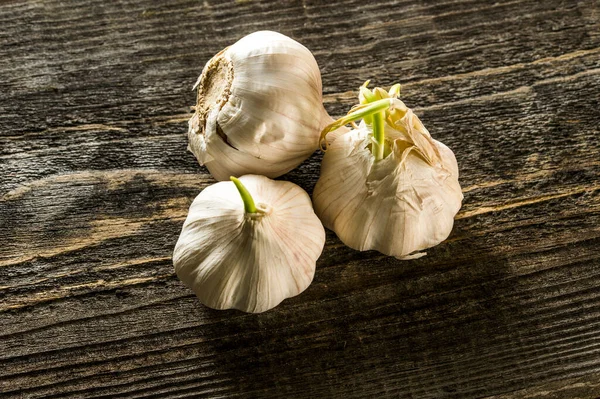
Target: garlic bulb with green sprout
(387, 185)
(248, 244)
(259, 108)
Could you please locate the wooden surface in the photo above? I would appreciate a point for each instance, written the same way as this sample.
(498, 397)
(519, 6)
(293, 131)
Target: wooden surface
(95, 182)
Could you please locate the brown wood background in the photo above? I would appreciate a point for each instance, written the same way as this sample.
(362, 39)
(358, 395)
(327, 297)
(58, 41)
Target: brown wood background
(95, 182)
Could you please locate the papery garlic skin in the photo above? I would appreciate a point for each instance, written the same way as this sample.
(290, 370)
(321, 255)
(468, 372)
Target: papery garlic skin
(251, 262)
(399, 205)
(260, 108)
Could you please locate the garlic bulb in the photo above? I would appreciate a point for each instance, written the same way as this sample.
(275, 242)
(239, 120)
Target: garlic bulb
(241, 254)
(259, 108)
(387, 185)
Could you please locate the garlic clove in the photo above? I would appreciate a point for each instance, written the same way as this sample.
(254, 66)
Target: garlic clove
(398, 205)
(235, 256)
(259, 109)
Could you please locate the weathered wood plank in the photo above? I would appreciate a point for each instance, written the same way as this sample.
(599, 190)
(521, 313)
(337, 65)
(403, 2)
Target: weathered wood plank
(576, 388)
(95, 182)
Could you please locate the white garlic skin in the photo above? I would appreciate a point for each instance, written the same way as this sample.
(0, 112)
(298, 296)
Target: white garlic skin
(266, 98)
(397, 206)
(234, 260)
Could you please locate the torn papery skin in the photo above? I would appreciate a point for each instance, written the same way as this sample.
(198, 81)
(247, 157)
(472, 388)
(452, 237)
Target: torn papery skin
(399, 205)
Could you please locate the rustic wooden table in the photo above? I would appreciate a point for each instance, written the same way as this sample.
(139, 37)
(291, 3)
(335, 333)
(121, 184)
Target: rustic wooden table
(95, 182)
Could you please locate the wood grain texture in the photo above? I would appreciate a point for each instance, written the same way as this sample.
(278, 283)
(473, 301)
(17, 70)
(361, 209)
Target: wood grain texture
(95, 182)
